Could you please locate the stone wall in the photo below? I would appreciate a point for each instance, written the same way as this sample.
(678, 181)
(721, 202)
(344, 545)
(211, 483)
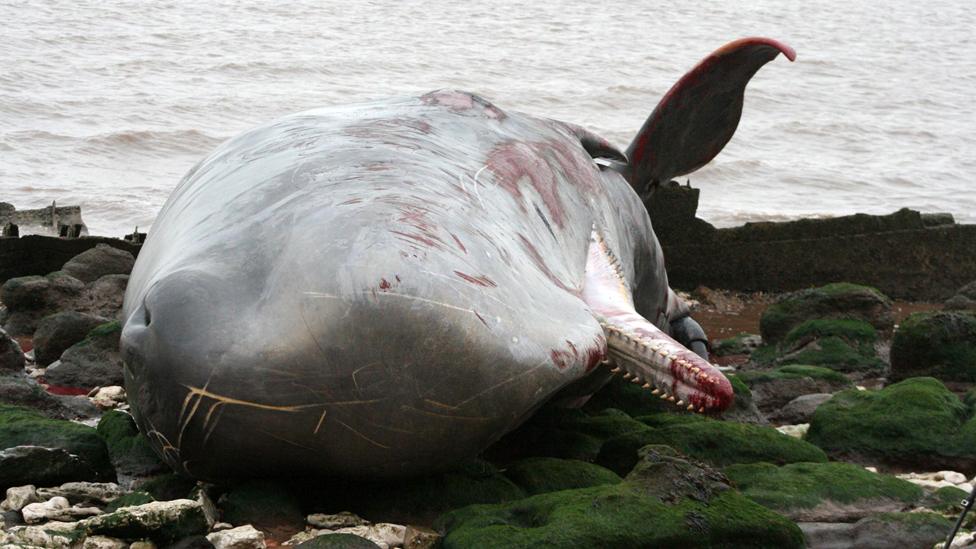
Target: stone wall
(52, 220)
(39, 255)
(906, 254)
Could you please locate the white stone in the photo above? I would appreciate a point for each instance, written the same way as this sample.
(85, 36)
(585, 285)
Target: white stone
(933, 484)
(798, 431)
(966, 487)
(872, 469)
(56, 508)
(218, 526)
(242, 537)
(48, 535)
(108, 397)
(344, 519)
(19, 496)
(962, 539)
(861, 387)
(40, 512)
(384, 534)
(103, 542)
(952, 476)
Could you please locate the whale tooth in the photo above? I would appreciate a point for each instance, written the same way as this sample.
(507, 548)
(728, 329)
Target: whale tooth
(664, 396)
(696, 369)
(701, 410)
(627, 375)
(691, 407)
(671, 398)
(679, 403)
(656, 391)
(646, 386)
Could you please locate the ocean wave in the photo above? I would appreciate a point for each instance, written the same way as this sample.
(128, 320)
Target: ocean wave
(191, 140)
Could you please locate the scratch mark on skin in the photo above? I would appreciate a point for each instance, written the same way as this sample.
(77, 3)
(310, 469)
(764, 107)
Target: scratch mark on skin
(362, 436)
(447, 416)
(497, 385)
(394, 294)
(213, 427)
(202, 392)
(440, 404)
(286, 441)
(319, 424)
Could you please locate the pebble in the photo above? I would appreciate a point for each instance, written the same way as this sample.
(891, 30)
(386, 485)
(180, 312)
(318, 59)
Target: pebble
(798, 431)
(344, 519)
(107, 398)
(103, 542)
(19, 496)
(242, 537)
(56, 508)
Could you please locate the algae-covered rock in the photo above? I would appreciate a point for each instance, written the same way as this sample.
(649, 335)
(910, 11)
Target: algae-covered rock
(160, 521)
(839, 300)
(840, 344)
(90, 265)
(915, 423)
(744, 408)
(11, 355)
(262, 503)
(92, 362)
(22, 465)
(823, 492)
(939, 344)
(541, 475)
(129, 500)
(667, 501)
(129, 450)
(23, 427)
(718, 443)
(741, 344)
(56, 332)
(773, 389)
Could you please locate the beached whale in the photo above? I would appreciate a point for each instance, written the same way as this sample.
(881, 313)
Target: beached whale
(384, 289)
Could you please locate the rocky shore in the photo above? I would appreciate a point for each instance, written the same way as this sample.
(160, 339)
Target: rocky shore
(854, 425)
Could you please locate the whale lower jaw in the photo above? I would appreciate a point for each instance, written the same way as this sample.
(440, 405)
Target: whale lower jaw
(641, 352)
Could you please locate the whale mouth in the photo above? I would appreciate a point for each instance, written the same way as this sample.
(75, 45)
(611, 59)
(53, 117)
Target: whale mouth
(641, 352)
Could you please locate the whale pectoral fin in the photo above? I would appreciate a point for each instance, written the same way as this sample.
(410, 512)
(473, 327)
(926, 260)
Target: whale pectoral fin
(698, 115)
(640, 351)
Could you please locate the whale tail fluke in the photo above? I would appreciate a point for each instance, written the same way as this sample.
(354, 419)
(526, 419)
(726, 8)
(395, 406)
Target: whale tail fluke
(698, 115)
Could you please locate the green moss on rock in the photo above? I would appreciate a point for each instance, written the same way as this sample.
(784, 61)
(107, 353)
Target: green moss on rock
(916, 423)
(541, 475)
(130, 452)
(940, 344)
(793, 371)
(841, 344)
(741, 344)
(129, 500)
(666, 501)
(23, 427)
(795, 488)
(719, 443)
(840, 300)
